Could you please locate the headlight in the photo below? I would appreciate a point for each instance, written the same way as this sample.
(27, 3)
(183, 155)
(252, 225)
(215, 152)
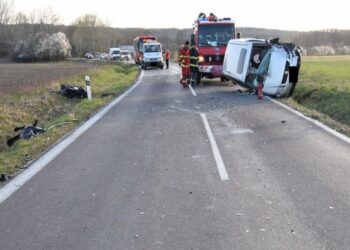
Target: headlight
(201, 59)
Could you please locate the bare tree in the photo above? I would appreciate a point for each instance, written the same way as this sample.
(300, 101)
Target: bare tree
(21, 18)
(89, 35)
(6, 11)
(48, 16)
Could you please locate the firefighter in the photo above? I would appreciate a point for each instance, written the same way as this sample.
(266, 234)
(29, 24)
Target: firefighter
(184, 61)
(212, 17)
(167, 58)
(194, 58)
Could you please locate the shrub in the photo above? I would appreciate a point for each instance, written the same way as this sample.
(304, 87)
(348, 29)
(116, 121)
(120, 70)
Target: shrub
(43, 47)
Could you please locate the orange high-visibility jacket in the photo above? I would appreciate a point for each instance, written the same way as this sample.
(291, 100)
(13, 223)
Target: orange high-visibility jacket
(167, 55)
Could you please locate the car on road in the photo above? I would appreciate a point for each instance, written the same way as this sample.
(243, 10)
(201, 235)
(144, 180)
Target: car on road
(125, 55)
(89, 55)
(104, 56)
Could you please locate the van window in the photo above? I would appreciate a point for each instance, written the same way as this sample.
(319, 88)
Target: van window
(241, 61)
(152, 48)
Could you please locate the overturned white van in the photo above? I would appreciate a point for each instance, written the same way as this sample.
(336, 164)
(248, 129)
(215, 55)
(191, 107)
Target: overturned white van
(252, 61)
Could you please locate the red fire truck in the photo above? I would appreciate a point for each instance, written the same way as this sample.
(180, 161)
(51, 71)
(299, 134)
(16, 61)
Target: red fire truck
(138, 45)
(212, 37)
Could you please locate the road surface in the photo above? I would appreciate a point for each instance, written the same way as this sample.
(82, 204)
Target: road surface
(165, 169)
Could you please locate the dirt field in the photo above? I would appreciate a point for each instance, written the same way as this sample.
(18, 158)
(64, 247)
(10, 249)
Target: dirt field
(17, 78)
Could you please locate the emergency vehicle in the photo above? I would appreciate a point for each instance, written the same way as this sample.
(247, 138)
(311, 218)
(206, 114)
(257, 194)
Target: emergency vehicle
(212, 37)
(138, 45)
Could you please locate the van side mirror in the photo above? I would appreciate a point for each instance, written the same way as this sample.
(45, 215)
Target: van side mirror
(238, 35)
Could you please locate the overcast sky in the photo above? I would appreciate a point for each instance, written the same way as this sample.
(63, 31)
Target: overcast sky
(300, 15)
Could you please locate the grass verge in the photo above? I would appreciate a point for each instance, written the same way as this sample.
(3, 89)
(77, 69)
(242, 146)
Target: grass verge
(44, 104)
(323, 91)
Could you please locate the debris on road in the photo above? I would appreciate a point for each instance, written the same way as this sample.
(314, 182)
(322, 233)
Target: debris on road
(28, 131)
(108, 94)
(27, 158)
(3, 178)
(71, 91)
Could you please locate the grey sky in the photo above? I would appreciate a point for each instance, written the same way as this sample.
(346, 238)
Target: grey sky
(291, 15)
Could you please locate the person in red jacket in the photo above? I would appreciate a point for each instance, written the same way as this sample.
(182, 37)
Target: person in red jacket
(184, 61)
(167, 58)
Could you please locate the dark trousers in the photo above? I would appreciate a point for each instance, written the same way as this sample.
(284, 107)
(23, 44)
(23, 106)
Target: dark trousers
(167, 63)
(193, 77)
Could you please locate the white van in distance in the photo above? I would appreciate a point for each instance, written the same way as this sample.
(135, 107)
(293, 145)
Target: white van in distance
(114, 54)
(252, 61)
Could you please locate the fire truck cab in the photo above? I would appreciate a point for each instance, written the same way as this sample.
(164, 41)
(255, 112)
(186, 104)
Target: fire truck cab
(212, 37)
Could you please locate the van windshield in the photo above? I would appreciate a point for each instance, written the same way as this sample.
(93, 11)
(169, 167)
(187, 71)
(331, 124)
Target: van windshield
(116, 52)
(215, 35)
(152, 48)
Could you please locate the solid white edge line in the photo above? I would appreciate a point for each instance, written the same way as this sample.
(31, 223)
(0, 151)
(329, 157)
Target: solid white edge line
(192, 90)
(317, 123)
(218, 159)
(11, 187)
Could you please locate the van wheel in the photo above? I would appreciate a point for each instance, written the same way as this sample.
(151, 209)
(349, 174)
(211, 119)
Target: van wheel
(161, 66)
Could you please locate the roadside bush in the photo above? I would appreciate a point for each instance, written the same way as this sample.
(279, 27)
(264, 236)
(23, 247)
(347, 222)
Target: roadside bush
(345, 50)
(43, 47)
(321, 51)
(304, 51)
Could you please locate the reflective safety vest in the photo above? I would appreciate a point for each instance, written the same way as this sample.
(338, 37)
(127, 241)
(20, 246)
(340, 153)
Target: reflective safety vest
(184, 57)
(194, 58)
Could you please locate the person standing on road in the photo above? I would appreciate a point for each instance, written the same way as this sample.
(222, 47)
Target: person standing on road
(184, 61)
(194, 58)
(167, 58)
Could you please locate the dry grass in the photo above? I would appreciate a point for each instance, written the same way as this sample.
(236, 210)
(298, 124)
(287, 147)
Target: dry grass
(36, 98)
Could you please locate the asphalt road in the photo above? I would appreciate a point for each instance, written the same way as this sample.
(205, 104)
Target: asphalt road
(145, 177)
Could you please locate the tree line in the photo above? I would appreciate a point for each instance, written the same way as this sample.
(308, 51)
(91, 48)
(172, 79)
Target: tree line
(90, 33)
